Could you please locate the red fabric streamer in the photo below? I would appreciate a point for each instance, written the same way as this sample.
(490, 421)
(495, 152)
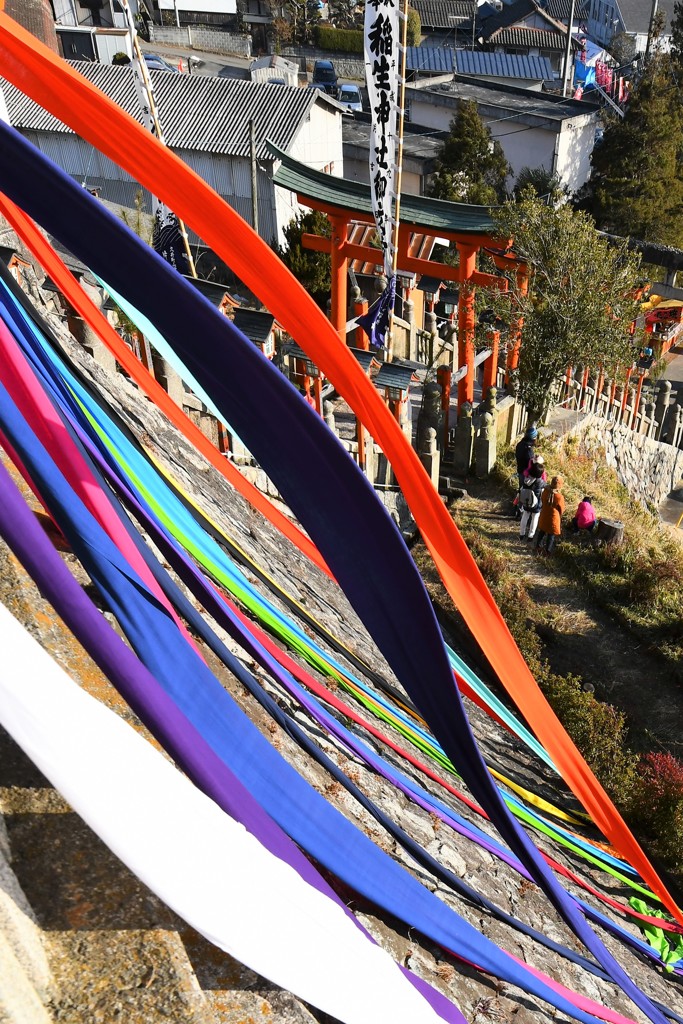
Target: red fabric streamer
(49, 81)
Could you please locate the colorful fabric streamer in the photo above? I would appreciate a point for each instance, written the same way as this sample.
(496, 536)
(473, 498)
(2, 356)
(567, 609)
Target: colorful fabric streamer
(210, 870)
(33, 68)
(385, 589)
(305, 815)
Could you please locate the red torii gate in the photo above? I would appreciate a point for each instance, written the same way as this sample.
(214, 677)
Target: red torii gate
(470, 228)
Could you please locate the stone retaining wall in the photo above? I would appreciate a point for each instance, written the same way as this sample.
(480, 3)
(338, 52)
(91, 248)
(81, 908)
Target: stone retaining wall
(201, 38)
(345, 65)
(648, 469)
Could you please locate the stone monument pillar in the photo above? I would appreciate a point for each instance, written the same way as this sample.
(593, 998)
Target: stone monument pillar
(464, 441)
(430, 456)
(485, 446)
(90, 339)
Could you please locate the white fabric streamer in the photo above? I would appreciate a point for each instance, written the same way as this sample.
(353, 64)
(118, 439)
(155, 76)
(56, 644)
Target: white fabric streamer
(202, 863)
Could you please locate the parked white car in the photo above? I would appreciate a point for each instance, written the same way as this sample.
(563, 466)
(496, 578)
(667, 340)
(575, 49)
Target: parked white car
(350, 98)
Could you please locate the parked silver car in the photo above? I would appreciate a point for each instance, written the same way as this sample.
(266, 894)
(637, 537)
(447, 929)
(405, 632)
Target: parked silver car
(350, 98)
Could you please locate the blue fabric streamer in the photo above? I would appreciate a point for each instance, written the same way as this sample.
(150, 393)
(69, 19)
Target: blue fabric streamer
(288, 438)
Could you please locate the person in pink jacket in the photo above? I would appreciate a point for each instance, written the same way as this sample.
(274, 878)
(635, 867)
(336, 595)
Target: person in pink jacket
(585, 516)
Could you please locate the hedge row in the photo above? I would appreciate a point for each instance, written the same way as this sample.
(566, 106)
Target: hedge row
(339, 40)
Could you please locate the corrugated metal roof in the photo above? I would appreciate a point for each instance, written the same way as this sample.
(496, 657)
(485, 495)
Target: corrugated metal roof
(255, 323)
(435, 60)
(442, 13)
(197, 112)
(560, 10)
(530, 37)
(273, 61)
(394, 375)
(502, 65)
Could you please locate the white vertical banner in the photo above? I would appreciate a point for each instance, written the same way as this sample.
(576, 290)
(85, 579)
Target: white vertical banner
(143, 83)
(167, 239)
(382, 65)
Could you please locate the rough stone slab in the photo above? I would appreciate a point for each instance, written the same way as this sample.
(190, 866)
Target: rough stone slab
(19, 1001)
(21, 932)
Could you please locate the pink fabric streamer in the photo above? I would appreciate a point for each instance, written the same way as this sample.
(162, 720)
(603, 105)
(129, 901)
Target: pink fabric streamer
(18, 377)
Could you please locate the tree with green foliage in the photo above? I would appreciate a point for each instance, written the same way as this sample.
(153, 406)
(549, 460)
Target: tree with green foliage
(545, 184)
(623, 48)
(677, 32)
(636, 186)
(344, 13)
(310, 268)
(472, 167)
(414, 28)
(579, 305)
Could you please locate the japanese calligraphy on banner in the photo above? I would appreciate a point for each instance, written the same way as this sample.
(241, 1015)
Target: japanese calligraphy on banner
(382, 42)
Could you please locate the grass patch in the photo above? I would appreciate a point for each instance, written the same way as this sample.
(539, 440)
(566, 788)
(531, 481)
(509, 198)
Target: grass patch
(642, 582)
(639, 583)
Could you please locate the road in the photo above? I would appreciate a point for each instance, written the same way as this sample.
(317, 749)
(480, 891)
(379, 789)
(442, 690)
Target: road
(214, 64)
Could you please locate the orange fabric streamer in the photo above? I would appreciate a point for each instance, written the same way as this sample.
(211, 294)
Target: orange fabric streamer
(61, 90)
(69, 286)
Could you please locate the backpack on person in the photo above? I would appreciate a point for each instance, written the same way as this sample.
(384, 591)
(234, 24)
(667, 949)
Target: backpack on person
(528, 499)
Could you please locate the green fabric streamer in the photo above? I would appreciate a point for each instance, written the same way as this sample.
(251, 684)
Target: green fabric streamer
(670, 954)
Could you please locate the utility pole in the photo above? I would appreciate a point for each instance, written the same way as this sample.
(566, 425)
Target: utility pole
(650, 31)
(475, 7)
(254, 182)
(568, 63)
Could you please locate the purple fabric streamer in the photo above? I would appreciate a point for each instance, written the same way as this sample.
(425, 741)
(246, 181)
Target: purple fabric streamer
(155, 708)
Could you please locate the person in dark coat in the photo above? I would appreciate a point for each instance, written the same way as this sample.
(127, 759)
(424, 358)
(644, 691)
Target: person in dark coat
(530, 497)
(524, 452)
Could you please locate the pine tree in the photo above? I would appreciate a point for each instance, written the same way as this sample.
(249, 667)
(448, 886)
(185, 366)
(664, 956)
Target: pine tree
(677, 33)
(311, 268)
(472, 167)
(636, 187)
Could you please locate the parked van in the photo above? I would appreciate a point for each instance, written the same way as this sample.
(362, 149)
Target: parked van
(325, 77)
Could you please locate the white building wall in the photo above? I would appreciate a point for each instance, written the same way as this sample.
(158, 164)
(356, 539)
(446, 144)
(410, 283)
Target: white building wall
(525, 145)
(208, 6)
(318, 143)
(575, 145)
(110, 42)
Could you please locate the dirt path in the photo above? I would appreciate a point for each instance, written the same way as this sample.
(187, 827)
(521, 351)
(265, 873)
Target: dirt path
(579, 637)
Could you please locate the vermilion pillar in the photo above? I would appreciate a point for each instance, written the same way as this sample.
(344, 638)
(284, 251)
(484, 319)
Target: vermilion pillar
(360, 309)
(491, 365)
(624, 398)
(516, 327)
(339, 272)
(466, 321)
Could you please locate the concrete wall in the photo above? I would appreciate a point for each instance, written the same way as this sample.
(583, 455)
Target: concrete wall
(574, 147)
(648, 469)
(560, 146)
(346, 67)
(202, 39)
